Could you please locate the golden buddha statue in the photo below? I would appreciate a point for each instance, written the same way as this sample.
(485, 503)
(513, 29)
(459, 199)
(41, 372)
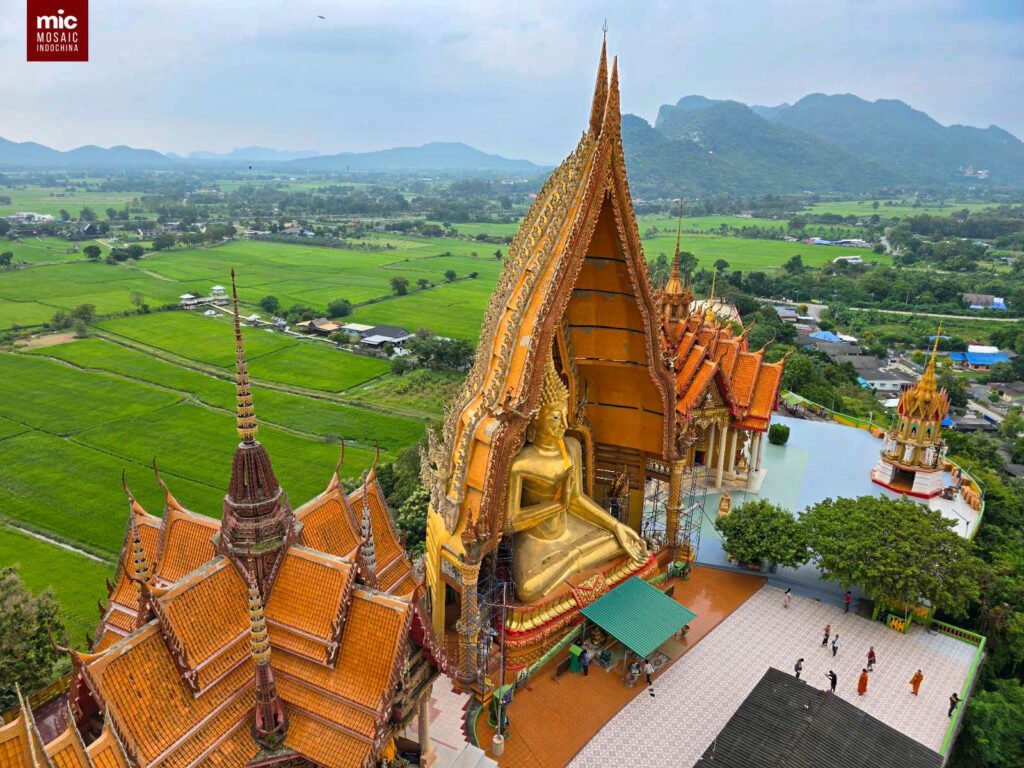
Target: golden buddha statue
(559, 530)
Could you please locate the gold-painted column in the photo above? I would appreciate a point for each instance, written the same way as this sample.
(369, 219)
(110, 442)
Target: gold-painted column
(468, 625)
(723, 442)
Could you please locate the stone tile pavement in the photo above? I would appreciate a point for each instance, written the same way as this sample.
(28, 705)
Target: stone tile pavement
(697, 695)
(447, 710)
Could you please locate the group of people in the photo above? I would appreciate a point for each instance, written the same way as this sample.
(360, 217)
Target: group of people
(872, 658)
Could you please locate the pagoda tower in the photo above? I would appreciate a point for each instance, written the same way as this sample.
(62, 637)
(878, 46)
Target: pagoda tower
(912, 458)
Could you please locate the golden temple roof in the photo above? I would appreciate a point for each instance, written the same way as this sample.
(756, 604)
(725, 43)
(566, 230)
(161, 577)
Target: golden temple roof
(925, 400)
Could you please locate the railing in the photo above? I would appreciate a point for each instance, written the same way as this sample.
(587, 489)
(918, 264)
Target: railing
(869, 425)
(979, 654)
(38, 698)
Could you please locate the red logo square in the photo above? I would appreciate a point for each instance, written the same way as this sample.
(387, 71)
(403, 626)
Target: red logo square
(58, 30)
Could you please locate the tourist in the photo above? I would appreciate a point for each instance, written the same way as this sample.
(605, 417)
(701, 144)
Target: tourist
(585, 661)
(862, 683)
(953, 701)
(648, 670)
(833, 678)
(847, 600)
(828, 634)
(835, 644)
(871, 659)
(915, 681)
(787, 597)
(798, 667)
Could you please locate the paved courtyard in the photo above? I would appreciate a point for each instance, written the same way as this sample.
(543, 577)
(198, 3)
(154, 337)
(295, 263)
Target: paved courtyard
(698, 694)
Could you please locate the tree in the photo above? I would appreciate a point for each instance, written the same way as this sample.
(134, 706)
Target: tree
(411, 520)
(778, 434)
(993, 730)
(137, 299)
(339, 308)
(659, 271)
(795, 265)
(64, 215)
(6, 258)
(163, 242)
(423, 283)
(87, 214)
(400, 286)
(26, 656)
(896, 549)
(135, 251)
(84, 312)
(499, 255)
(61, 319)
(111, 213)
(92, 252)
(721, 265)
(759, 530)
(270, 304)
(449, 275)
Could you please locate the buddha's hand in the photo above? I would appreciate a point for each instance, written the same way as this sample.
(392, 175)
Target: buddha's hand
(630, 541)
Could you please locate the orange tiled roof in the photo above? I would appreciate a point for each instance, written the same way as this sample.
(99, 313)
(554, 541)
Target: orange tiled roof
(328, 524)
(184, 543)
(391, 555)
(105, 752)
(325, 746)
(234, 751)
(67, 750)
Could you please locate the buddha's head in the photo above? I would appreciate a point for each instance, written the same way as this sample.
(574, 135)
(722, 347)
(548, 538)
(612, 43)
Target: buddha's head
(552, 419)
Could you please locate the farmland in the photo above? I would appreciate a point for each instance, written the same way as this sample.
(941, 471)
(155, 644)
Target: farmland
(50, 200)
(891, 208)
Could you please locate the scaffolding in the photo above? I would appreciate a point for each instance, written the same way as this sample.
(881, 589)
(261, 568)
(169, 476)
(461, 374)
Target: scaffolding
(692, 499)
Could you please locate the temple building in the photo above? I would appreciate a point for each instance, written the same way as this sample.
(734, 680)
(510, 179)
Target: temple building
(270, 637)
(912, 459)
(586, 386)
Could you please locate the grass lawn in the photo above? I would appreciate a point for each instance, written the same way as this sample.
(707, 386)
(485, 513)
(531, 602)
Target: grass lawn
(43, 566)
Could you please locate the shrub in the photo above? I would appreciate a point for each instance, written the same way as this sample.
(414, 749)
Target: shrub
(778, 434)
(760, 530)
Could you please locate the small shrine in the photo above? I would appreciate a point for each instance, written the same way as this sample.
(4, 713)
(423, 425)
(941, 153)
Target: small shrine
(912, 460)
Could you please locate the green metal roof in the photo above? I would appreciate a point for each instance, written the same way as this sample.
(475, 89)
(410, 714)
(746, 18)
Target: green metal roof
(638, 615)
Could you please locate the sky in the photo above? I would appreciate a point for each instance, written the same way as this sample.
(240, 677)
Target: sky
(506, 76)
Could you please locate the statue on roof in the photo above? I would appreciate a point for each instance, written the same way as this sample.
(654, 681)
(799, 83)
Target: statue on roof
(559, 530)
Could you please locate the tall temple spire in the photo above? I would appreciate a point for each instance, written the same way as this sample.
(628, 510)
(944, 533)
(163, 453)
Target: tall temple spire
(257, 518)
(600, 87)
(928, 382)
(140, 573)
(245, 414)
(675, 286)
(269, 726)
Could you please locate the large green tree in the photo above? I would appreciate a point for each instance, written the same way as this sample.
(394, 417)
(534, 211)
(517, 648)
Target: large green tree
(759, 530)
(993, 733)
(893, 548)
(26, 656)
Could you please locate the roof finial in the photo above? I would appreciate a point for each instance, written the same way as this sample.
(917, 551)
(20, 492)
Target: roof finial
(709, 313)
(270, 723)
(367, 549)
(258, 637)
(927, 383)
(679, 240)
(604, 30)
(245, 415)
(140, 563)
(600, 89)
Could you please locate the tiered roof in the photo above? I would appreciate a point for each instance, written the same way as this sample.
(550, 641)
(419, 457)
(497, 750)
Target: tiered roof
(255, 639)
(706, 355)
(925, 400)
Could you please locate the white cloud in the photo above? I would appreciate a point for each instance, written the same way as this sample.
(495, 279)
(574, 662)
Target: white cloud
(507, 77)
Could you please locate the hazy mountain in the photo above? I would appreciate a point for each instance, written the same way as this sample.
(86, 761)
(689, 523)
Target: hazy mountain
(893, 134)
(705, 146)
(769, 113)
(254, 154)
(436, 156)
(31, 155)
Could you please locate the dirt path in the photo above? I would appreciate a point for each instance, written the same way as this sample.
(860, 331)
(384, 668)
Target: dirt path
(47, 340)
(969, 318)
(56, 542)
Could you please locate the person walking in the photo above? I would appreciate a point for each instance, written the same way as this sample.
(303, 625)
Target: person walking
(915, 681)
(862, 683)
(585, 661)
(848, 600)
(871, 659)
(798, 668)
(835, 644)
(648, 670)
(832, 679)
(787, 597)
(828, 634)
(953, 701)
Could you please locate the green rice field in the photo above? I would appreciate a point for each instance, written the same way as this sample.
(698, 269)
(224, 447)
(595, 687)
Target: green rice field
(865, 208)
(50, 200)
(36, 250)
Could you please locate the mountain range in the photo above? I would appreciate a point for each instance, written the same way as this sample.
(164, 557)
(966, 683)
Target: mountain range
(821, 143)
(436, 156)
(697, 146)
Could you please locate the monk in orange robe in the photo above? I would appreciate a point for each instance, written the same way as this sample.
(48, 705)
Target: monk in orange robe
(862, 683)
(915, 681)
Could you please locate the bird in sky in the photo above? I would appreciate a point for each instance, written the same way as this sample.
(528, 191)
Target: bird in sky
(322, 17)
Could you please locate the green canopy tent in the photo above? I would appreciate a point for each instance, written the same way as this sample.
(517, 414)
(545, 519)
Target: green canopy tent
(639, 616)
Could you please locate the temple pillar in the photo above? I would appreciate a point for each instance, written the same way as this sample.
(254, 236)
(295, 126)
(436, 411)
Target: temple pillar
(468, 625)
(731, 459)
(427, 754)
(675, 494)
(723, 444)
(760, 449)
(709, 453)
